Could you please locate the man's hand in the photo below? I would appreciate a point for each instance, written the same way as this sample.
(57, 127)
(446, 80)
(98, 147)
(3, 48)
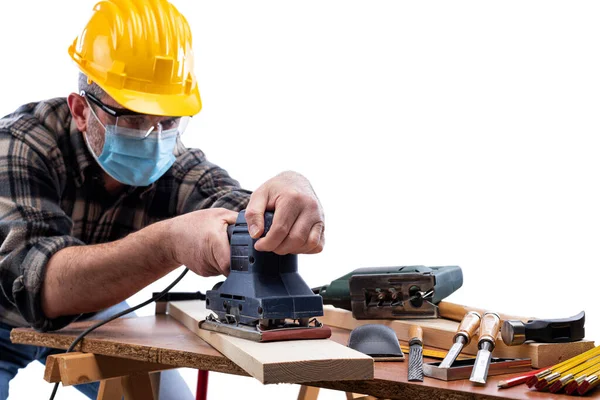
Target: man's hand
(199, 241)
(298, 225)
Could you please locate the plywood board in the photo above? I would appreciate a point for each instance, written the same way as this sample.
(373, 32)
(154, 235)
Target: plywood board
(440, 333)
(157, 339)
(292, 361)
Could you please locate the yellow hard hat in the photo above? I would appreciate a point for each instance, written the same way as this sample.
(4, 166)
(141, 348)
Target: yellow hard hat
(140, 53)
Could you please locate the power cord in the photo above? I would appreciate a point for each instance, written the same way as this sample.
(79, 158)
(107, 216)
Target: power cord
(118, 315)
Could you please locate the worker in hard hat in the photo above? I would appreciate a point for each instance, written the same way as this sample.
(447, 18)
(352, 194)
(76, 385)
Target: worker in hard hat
(98, 195)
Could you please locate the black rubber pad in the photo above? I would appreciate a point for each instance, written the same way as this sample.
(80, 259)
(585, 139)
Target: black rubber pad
(375, 340)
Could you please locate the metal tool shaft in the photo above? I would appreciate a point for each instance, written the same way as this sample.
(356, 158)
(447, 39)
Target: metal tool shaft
(465, 331)
(488, 331)
(454, 352)
(482, 364)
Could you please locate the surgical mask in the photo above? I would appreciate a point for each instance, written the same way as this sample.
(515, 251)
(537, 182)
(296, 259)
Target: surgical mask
(134, 157)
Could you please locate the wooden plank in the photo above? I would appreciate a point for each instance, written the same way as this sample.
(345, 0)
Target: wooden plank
(292, 361)
(110, 389)
(440, 333)
(78, 368)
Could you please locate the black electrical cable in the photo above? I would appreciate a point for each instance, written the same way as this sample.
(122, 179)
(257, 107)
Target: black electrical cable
(117, 315)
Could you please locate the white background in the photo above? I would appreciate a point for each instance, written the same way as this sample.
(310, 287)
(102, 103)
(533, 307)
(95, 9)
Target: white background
(434, 132)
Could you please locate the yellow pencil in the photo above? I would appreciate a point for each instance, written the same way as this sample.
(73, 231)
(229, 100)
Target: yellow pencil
(570, 375)
(578, 380)
(562, 367)
(588, 383)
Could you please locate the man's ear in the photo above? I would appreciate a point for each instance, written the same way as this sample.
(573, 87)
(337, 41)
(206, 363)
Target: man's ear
(79, 110)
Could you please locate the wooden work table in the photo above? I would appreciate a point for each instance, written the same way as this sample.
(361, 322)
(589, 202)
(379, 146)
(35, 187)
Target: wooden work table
(162, 339)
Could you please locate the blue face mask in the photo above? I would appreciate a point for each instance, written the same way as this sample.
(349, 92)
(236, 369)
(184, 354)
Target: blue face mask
(134, 161)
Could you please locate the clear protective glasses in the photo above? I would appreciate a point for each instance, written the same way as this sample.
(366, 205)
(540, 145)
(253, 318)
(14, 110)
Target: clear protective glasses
(136, 125)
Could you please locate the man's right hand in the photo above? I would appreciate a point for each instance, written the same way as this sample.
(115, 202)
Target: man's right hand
(199, 241)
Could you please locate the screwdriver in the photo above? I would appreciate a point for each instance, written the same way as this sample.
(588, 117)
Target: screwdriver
(488, 330)
(466, 329)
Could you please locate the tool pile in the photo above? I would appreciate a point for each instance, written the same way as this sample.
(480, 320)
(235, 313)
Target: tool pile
(265, 299)
(415, 292)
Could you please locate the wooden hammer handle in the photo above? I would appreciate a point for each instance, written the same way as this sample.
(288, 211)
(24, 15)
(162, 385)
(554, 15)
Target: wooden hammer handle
(456, 312)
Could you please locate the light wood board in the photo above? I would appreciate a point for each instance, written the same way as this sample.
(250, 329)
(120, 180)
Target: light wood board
(440, 333)
(292, 361)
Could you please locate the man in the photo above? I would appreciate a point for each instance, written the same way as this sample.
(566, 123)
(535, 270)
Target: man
(98, 195)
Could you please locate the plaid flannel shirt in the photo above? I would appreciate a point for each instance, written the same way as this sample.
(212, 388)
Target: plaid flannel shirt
(52, 196)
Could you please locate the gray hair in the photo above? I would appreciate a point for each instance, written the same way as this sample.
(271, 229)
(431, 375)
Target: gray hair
(91, 88)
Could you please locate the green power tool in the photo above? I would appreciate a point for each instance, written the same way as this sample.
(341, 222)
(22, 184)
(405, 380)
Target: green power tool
(392, 292)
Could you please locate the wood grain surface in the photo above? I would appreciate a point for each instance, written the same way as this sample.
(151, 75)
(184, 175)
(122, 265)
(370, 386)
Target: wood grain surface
(456, 312)
(440, 333)
(294, 361)
(162, 339)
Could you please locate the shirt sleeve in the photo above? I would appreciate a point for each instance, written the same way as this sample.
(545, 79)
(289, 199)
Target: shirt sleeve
(203, 184)
(33, 227)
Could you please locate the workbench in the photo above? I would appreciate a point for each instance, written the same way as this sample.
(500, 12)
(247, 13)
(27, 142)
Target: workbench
(161, 339)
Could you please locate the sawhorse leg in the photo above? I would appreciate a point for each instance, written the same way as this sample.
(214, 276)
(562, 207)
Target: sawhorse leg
(118, 376)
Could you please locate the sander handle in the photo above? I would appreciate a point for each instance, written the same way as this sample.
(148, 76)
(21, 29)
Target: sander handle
(268, 222)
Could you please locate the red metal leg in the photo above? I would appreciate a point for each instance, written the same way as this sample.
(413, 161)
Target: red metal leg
(202, 386)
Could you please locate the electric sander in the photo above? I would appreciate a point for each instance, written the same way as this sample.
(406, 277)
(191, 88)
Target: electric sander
(263, 298)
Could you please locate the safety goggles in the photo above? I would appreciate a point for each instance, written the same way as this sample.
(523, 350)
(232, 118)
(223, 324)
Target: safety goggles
(136, 125)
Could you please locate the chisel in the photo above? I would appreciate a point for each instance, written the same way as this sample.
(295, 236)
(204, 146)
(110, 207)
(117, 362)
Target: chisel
(488, 330)
(415, 355)
(466, 329)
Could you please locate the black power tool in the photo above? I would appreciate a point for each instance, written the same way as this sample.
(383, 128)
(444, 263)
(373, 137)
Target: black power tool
(264, 298)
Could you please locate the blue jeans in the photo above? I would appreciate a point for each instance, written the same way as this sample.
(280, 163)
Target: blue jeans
(15, 356)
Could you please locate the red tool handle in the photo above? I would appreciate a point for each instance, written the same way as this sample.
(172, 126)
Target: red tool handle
(518, 380)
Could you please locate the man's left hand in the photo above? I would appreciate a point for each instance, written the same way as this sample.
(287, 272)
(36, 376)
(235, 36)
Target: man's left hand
(298, 225)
